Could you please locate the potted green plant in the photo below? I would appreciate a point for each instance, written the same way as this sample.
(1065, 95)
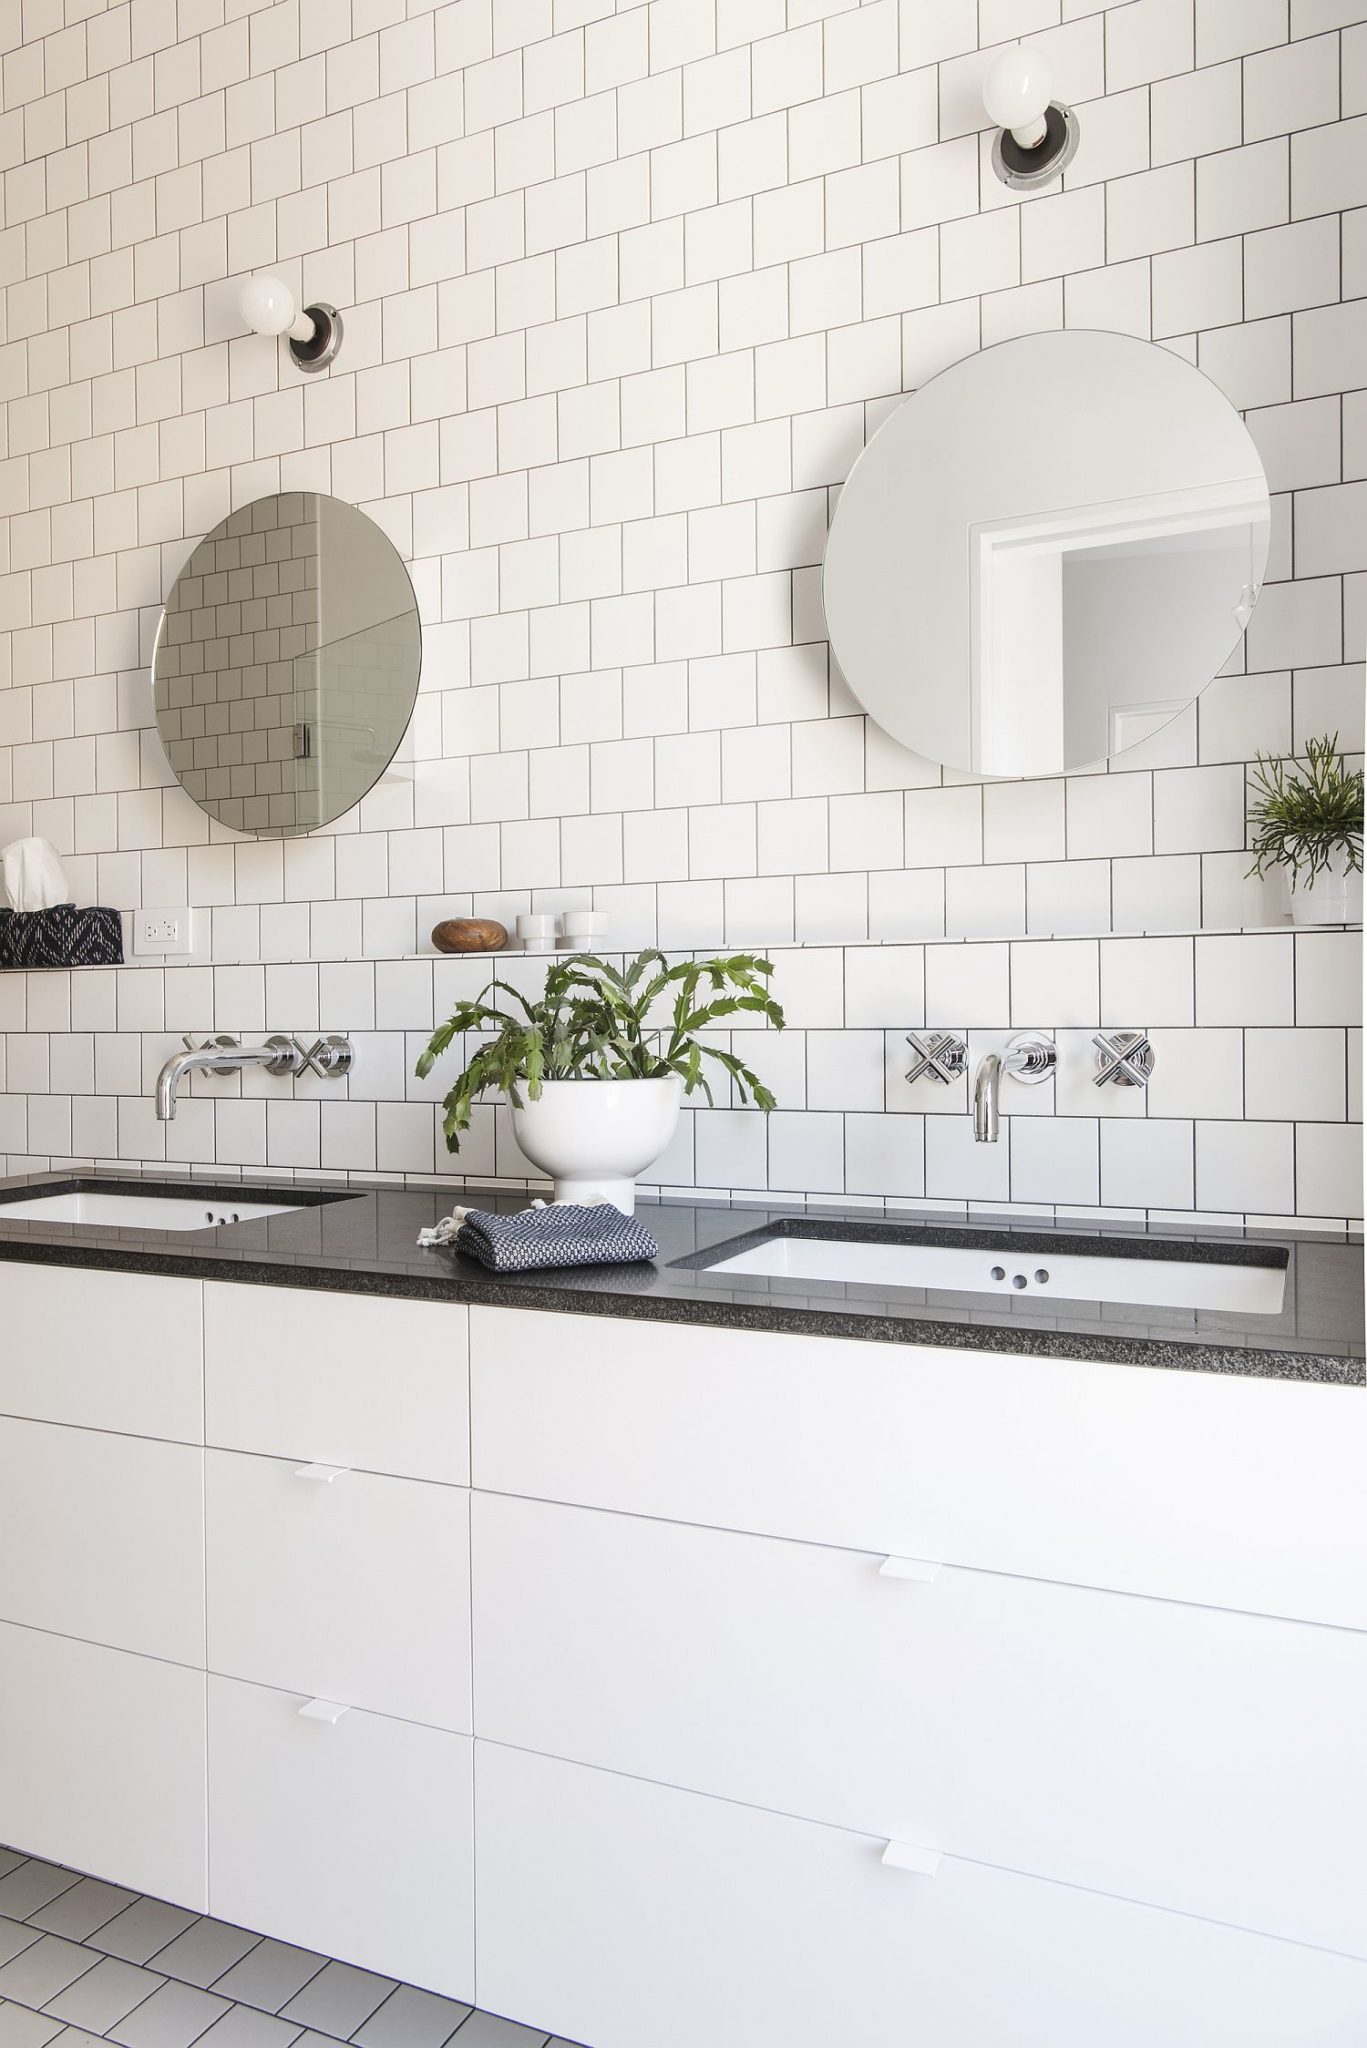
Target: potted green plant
(1307, 819)
(595, 1068)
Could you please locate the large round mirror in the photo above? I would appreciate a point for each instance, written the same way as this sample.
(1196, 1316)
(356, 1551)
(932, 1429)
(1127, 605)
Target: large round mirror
(286, 664)
(1046, 553)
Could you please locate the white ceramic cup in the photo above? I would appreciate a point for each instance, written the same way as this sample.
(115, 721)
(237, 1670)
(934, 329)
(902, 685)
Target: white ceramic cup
(537, 931)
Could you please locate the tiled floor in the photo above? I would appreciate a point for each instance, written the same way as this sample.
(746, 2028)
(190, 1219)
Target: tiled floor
(84, 1962)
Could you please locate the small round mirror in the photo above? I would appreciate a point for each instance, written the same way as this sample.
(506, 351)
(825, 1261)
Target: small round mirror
(1046, 553)
(286, 665)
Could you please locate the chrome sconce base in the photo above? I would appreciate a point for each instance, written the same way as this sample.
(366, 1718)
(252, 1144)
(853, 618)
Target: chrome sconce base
(1029, 170)
(320, 351)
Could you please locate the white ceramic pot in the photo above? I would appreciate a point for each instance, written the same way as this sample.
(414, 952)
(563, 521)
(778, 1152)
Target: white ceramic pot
(594, 1137)
(1325, 900)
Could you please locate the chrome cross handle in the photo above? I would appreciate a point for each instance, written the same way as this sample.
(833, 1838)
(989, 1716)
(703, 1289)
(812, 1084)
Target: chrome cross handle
(942, 1057)
(1124, 1057)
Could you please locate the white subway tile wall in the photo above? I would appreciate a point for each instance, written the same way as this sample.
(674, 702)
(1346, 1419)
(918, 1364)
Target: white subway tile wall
(1252, 1109)
(626, 288)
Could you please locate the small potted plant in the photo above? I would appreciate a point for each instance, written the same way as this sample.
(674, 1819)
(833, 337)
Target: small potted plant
(594, 1084)
(1307, 818)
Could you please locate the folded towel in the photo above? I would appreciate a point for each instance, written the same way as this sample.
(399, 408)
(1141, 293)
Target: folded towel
(33, 875)
(547, 1234)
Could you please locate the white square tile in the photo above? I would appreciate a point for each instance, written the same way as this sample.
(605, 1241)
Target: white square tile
(1238, 190)
(1148, 1164)
(1293, 87)
(1054, 1158)
(884, 986)
(1245, 1167)
(884, 1155)
(1151, 211)
(968, 985)
(1068, 896)
(1023, 820)
(1245, 980)
(1054, 982)
(806, 1152)
(1197, 113)
(985, 902)
(1148, 39)
(1329, 1170)
(1197, 1073)
(845, 1070)
(958, 1169)
(1328, 978)
(1147, 981)
(1296, 1074)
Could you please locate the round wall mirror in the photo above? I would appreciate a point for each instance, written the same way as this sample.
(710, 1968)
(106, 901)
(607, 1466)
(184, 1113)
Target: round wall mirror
(286, 664)
(1046, 553)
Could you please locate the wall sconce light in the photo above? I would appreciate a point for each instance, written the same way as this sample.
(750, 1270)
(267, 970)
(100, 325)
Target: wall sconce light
(315, 334)
(1036, 136)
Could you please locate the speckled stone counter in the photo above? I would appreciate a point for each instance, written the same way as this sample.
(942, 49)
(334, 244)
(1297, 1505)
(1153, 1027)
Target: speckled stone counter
(363, 1240)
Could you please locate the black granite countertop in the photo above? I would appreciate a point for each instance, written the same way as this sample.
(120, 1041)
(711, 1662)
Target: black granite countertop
(363, 1240)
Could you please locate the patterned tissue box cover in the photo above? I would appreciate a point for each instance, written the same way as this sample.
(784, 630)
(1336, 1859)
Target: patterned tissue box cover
(61, 937)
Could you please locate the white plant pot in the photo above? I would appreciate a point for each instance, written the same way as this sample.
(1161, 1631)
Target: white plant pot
(1325, 900)
(594, 1137)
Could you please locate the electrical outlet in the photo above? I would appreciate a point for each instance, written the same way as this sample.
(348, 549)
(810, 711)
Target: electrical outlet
(163, 931)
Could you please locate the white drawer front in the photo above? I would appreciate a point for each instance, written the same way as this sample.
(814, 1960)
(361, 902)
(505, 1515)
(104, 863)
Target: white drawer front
(354, 1586)
(1189, 1486)
(1156, 1751)
(634, 1916)
(342, 1378)
(104, 1763)
(103, 1537)
(354, 1837)
(106, 1350)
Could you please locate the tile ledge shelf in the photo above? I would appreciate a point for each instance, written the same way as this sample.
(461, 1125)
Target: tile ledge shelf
(616, 950)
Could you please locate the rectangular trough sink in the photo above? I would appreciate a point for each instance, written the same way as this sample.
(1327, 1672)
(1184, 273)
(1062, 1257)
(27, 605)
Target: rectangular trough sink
(90, 1210)
(1000, 1268)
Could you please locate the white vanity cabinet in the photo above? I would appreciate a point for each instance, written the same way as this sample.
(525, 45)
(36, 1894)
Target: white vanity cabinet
(102, 1681)
(1103, 1741)
(235, 1606)
(634, 1915)
(654, 1685)
(830, 1690)
(338, 1582)
(1232, 1492)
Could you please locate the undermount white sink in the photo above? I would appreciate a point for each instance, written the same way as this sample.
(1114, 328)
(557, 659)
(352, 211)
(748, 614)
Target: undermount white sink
(140, 1212)
(1001, 1269)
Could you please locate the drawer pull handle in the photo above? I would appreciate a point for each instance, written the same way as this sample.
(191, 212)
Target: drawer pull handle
(323, 1710)
(918, 1569)
(321, 1475)
(907, 1856)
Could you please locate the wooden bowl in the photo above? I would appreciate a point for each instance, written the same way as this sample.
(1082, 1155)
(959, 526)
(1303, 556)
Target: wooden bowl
(469, 935)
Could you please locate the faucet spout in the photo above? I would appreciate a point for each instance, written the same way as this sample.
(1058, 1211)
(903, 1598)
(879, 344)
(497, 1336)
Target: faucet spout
(220, 1056)
(1029, 1057)
(169, 1080)
(986, 1085)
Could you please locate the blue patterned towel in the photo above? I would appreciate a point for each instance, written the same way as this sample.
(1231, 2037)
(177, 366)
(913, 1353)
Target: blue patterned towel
(547, 1234)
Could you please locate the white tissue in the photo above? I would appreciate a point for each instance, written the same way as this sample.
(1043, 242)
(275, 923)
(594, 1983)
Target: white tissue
(33, 875)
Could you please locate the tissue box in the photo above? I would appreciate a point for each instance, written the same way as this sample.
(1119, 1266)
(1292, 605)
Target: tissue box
(62, 936)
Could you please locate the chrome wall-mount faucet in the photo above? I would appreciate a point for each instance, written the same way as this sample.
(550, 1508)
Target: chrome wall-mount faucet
(332, 1057)
(1029, 1057)
(1124, 1059)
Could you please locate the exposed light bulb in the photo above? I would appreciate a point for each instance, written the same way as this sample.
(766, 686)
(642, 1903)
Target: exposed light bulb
(268, 306)
(1016, 92)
